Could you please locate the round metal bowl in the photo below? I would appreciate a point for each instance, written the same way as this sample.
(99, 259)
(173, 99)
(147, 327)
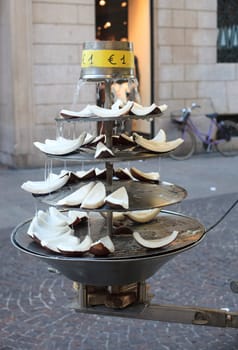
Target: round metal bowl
(130, 263)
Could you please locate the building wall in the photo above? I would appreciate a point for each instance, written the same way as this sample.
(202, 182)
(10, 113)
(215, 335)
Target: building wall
(185, 57)
(45, 54)
(40, 55)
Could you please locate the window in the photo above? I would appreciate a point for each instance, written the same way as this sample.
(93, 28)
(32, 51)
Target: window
(227, 41)
(111, 20)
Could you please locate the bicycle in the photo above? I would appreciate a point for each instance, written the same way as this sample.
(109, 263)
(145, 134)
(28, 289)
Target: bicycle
(221, 135)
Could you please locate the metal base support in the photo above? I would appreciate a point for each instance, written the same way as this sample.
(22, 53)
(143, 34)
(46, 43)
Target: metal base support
(117, 301)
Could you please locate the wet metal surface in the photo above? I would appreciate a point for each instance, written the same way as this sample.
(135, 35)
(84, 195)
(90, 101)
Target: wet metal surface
(141, 195)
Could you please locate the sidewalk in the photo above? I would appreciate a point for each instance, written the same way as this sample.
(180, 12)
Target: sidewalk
(33, 309)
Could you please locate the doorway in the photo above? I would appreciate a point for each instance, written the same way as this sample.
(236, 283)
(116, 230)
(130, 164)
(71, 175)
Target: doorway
(131, 20)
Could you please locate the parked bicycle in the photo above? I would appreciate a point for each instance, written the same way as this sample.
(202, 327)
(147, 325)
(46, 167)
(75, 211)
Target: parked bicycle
(221, 135)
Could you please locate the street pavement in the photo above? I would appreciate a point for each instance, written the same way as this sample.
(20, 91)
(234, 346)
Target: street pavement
(34, 311)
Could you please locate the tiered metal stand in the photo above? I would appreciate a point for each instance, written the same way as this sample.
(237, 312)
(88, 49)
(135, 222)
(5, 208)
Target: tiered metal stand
(116, 285)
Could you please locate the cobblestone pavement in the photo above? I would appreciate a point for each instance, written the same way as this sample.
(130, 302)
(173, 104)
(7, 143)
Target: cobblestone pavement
(34, 311)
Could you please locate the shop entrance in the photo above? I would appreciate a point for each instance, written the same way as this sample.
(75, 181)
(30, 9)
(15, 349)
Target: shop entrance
(131, 20)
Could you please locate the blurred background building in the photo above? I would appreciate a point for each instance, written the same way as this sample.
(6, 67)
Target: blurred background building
(186, 50)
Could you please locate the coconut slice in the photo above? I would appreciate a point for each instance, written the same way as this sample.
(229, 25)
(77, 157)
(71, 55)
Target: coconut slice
(85, 174)
(157, 146)
(155, 243)
(70, 248)
(124, 174)
(118, 199)
(102, 247)
(113, 112)
(101, 173)
(88, 139)
(77, 197)
(160, 136)
(51, 184)
(77, 217)
(139, 110)
(85, 112)
(152, 177)
(103, 151)
(95, 198)
(53, 243)
(43, 233)
(99, 138)
(61, 146)
(124, 139)
(143, 216)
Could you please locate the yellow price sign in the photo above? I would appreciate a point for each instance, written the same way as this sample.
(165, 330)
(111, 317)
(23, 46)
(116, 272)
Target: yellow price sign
(107, 59)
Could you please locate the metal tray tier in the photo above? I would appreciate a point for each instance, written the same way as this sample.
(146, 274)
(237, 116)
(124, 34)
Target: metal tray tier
(121, 118)
(86, 155)
(130, 262)
(141, 195)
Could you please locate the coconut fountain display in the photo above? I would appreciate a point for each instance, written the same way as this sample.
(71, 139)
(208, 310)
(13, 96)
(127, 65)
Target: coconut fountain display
(107, 229)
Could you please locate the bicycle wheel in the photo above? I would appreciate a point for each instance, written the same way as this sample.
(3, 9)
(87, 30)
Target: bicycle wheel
(187, 148)
(227, 139)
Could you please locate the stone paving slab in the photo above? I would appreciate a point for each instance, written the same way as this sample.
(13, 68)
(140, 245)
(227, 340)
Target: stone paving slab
(34, 312)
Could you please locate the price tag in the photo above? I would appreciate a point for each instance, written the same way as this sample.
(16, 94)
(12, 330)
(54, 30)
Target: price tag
(107, 59)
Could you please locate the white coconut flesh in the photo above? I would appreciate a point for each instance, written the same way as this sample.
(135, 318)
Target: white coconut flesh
(61, 146)
(140, 175)
(77, 215)
(70, 246)
(95, 198)
(127, 172)
(99, 171)
(160, 136)
(55, 242)
(118, 198)
(155, 243)
(88, 139)
(102, 149)
(81, 174)
(106, 242)
(77, 197)
(51, 184)
(113, 112)
(143, 216)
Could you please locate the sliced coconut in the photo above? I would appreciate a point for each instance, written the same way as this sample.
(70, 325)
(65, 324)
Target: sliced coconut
(61, 146)
(155, 243)
(85, 174)
(85, 112)
(99, 138)
(34, 224)
(101, 173)
(157, 146)
(53, 243)
(95, 198)
(152, 177)
(118, 199)
(77, 217)
(43, 233)
(140, 110)
(88, 139)
(160, 136)
(51, 184)
(102, 247)
(124, 174)
(114, 112)
(143, 216)
(126, 140)
(58, 217)
(77, 197)
(69, 248)
(103, 151)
